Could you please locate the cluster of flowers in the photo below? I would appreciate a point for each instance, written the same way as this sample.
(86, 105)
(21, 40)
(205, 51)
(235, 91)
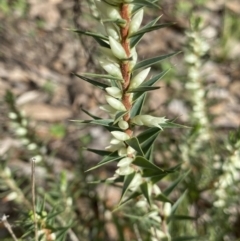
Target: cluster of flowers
(20, 126)
(230, 176)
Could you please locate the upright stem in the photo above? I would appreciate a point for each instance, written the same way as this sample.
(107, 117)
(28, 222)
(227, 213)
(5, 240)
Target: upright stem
(125, 67)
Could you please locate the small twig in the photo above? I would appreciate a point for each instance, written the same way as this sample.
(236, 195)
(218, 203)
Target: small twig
(8, 226)
(34, 197)
(136, 231)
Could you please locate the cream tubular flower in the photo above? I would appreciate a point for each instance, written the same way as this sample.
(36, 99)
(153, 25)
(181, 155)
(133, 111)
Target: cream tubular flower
(149, 121)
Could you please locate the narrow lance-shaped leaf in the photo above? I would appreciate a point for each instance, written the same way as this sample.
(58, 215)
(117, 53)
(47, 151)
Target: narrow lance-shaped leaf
(143, 89)
(91, 115)
(149, 62)
(136, 39)
(144, 30)
(119, 115)
(93, 82)
(100, 152)
(137, 106)
(176, 205)
(104, 161)
(92, 34)
(169, 189)
(145, 164)
(145, 192)
(127, 181)
(133, 142)
(103, 76)
(161, 197)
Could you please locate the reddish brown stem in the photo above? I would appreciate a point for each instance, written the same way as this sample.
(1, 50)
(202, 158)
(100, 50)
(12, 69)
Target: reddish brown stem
(126, 98)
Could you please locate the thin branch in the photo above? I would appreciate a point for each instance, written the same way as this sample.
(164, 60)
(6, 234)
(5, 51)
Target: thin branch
(33, 181)
(8, 226)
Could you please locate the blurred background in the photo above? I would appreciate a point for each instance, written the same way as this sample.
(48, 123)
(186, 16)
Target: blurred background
(40, 95)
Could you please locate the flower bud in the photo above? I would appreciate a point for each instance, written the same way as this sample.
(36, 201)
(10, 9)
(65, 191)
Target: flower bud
(167, 209)
(21, 131)
(114, 91)
(116, 104)
(12, 115)
(123, 125)
(122, 136)
(136, 22)
(139, 78)
(117, 48)
(112, 68)
(32, 146)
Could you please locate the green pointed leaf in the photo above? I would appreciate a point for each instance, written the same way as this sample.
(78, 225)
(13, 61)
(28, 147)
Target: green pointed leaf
(144, 30)
(137, 106)
(169, 189)
(127, 181)
(101, 122)
(119, 115)
(101, 152)
(104, 161)
(125, 201)
(134, 40)
(103, 76)
(161, 197)
(92, 34)
(143, 89)
(149, 83)
(106, 181)
(183, 217)
(93, 82)
(151, 173)
(145, 164)
(145, 192)
(146, 3)
(174, 169)
(147, 138)
(157, 178)
(170, 124)
(149, 62)
(102, 42)
(175, 206)
(185, 238)
(133, 142)
(91, 115)
(155, 79)
(149, 154)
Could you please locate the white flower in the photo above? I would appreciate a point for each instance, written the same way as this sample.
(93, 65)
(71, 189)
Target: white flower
(122, 151)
